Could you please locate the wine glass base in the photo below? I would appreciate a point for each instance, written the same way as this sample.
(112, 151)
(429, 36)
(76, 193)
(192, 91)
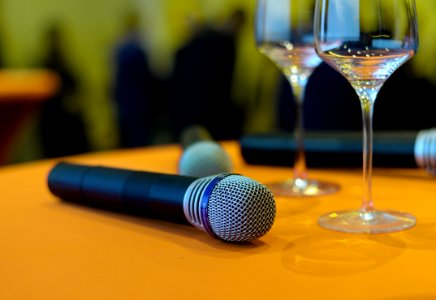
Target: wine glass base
(367, 222)
(303, 188)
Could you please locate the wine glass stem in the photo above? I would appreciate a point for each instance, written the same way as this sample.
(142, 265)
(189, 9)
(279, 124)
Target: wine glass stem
(298, 84)
(367, 112)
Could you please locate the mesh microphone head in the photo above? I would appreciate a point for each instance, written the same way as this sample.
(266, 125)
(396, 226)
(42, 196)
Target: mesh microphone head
(230, 207)
(204, 158)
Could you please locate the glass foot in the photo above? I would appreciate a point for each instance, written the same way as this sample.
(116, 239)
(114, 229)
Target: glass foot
(303, 188)
(367, 222)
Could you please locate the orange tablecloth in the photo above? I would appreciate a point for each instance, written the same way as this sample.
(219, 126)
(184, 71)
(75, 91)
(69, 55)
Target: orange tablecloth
(21, 94)
(27, 85)
(55, 250)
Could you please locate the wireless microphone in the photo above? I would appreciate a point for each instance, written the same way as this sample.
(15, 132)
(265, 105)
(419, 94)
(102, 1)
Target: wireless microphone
(227, 206)
(201, 155)
(339, 149)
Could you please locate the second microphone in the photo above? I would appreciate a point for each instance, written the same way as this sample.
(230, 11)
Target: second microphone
(202, 156)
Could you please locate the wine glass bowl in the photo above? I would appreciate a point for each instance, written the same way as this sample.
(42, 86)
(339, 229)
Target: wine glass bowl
(284, 34)
(366, 41)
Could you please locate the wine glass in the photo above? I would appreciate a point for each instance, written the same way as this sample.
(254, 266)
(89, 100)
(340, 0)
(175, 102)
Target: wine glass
(284, 34)
(366, 41)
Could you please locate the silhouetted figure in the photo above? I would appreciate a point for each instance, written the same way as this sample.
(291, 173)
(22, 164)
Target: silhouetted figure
(403, 103)
(133, 87)
(202, 81)
(61, 126)
(330, 103)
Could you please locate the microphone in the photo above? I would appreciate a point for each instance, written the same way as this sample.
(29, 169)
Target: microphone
(425, 150)
(201, 155)
(227, 206)
(339, 149)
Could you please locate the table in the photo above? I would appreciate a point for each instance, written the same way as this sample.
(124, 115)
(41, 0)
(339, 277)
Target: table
(22, 92)
(55, 250)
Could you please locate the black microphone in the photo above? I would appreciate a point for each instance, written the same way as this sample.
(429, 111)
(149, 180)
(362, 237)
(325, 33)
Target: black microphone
(339, 149)
(229, 207)
(202, 156)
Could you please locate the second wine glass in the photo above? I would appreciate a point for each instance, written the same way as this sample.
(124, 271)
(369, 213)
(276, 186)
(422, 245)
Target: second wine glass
(284, 34)
(366, 41)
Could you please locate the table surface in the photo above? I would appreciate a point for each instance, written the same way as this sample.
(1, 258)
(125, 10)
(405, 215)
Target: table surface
(22, 92)
(27, 85)
(55, 250)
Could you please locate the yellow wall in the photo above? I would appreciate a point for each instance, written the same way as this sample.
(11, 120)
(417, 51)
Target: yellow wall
(425, 62)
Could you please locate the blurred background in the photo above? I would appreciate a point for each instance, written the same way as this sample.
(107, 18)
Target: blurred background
(135, 73)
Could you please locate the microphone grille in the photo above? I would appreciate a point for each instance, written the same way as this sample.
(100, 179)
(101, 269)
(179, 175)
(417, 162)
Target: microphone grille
(241, 209)
(203, 159)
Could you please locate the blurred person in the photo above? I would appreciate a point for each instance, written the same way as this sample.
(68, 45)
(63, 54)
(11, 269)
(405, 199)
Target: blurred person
(202, 80)
(330, 103)
(405, 103)
(133, 87)
(61, 126)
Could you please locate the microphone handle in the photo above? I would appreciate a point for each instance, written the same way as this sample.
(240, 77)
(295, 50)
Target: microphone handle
(335, 149)
(194, 134)
(157, 195)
